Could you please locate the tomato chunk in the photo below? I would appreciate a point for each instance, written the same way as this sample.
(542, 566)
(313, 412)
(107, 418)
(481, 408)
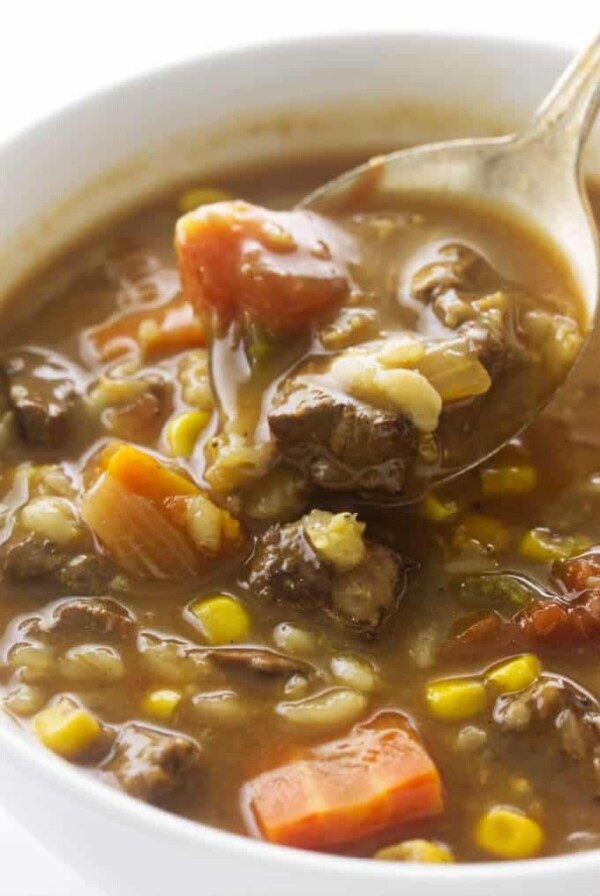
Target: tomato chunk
(569, 618)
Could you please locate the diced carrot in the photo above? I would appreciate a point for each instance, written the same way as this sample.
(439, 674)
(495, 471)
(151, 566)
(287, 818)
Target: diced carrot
(140, 538)
(280, 269)
(170, 328)
(142, 474)
(379, 777)
(154, 521)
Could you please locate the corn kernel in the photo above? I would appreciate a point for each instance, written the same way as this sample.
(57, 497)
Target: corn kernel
(507, 834)
(438, 510)
(195, 197)
(510, 479)
(415, 851)
(67, 729)
(183, 430)
(487, 532)
(162, 704)
(455, 698)
(515, 674)
(541, 545)
(222, 619)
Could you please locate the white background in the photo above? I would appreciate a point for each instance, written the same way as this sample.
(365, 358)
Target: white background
(54, 52)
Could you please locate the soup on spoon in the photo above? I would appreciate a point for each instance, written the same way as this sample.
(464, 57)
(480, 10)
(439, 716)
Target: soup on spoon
(410, 317)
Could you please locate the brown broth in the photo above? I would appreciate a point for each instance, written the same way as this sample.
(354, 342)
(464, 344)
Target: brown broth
(134, 263)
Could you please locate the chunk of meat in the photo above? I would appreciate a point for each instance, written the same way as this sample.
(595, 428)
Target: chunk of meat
(257, 659)
(152, 765)
(287, 566)
(365, 596)
(34, 557)
(92, 617)
(142, 418)
(569, 714)
(279, 269)
(41, 392)
(341, 444)
(86, 574)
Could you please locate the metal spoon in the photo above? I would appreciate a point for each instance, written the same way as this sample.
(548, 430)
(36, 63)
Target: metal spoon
(536, 173)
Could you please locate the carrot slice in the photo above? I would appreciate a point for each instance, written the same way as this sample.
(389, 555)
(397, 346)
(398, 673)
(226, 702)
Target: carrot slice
(142, 474)
(169, 328)
(277, 269)
(378, 777)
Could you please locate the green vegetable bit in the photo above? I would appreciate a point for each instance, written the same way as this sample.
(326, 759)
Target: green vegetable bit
(496, 591)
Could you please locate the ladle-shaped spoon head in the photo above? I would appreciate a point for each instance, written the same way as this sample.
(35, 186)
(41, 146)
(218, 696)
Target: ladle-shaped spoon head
(536, 174)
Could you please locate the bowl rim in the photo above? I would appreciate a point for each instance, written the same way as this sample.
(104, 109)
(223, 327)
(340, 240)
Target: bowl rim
(67, 779)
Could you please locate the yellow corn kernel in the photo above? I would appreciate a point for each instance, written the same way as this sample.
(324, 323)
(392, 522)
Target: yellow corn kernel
(67, 729)
(507, 834)
(161, 704)
(456, 698)
(509, 479)
(415, 851)
(197, 196)
(222, 619)
(438, 510)
(487, 532)
(183, 430)
(541, 545)
(515, 674)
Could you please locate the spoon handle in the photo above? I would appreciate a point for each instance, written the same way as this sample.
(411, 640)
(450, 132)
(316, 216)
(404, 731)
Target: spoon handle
(569, 110)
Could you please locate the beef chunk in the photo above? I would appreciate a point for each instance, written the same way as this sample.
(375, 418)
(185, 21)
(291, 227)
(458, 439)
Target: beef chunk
(565, 714)
(341, 444)
(41, 392)
(364, 596)
(142, 418)
(31, 558)
(86, 574)
(570, 712)
(91, 617)
(151, 764)
(286, 566)
(256, 659)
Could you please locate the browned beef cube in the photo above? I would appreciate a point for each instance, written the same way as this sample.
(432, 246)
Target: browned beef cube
(32, 557)
(41, 392)
(341, 444)
(151, 764)
(285, 566)
(98, 618)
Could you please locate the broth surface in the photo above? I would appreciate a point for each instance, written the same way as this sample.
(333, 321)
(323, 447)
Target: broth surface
(455, 551)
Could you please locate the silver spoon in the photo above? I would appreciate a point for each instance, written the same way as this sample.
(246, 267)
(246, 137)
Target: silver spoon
(536, 173)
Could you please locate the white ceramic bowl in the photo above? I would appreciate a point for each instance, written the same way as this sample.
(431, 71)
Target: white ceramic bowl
(61, 177)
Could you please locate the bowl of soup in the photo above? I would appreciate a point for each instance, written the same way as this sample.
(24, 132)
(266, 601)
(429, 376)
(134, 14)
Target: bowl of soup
(259, 631)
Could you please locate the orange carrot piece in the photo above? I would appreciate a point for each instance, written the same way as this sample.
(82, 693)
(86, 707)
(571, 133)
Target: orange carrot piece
(140, 538)
(380, 776)
(138, 509)
(174, 327)
(142, 474)
(278, 269)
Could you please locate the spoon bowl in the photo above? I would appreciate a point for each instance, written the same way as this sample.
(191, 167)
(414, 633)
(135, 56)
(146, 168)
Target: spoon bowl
(535, 174)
